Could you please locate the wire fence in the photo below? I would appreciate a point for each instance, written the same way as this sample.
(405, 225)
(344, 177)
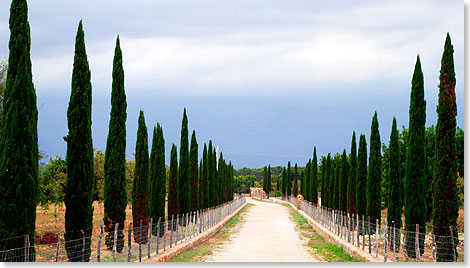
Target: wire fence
(393, 243)
(124, 243)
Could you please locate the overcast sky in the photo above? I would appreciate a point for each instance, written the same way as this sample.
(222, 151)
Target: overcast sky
(265, 80)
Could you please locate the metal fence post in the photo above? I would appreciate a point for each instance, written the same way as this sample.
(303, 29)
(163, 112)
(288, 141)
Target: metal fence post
(370, 245)
(83, 246)
(453, 243)
(377, 238)
(363, 234)
(149, 243)
(171, 230)
(418, 253)
(394, 242)
(116, 226)
(358, 230)
(385, 240)
(433, 244)
(98, 255)
(158, 234)
(140, 242)
(129, 242)
(58, 247)
(26, 248)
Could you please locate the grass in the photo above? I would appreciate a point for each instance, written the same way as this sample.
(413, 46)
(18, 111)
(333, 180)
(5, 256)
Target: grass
(198, 253)
(322, 250)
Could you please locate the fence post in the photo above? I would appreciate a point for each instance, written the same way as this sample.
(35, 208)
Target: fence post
(83, 246)
(453, 243)
(370, 244)
(363, 233)
(177, 228)
(348, 223)
(418, 253)
(98, 255)
(385, 240)
(129, 242)
(433, 245)
(352, 228)
(140, 241)
(165, 229)
(171, 230)
(377, 238)
(150, 238)
(116, 226)
(187, 226)
(404, 242)
(26, 248)
(158, 234)
(358, 230)
(394, 241)
(58, 248)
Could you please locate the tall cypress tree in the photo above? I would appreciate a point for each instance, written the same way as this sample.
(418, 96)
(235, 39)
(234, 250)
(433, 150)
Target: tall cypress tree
(374, 174)
(265, 179)
(322, 183)
(183, 171)
(173, 189)
(19, 142)
(214, 176)
(115, 195)
(284, 183)
(394, 198)
(205, 177)
(351, 191)
(78, 198)
(210, 175)
(157, 179)
(201, 185)
(329, 182)
(445, 201)
(289, 181)
(296, 187)
(268, 186)
(220, 178)
(415, 168)
(308, 170)
(140, 196)
(314, 178)
(337, 181)
(343, 187)
(193, 166)
(361, 179)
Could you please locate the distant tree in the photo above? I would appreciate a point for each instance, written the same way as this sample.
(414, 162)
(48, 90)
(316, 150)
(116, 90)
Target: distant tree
(78, 199)
(314, 178)
(323, 183)
(352, 177)
(296, 187)
(157, 181)
(289, 180)
(361, 179)
(337, 184)
(268, 186)
(394, 210)
(415, 173)
(201, 185)
(173, 191)
(445, 201)
(140, 197)
(193, 166)
(307, 181)
(374, 173)
(330, 179)
(205, 177)
(265, 179)
(210, 175)
(284, 183)
(115, 198)
(52, 182)
(183, 171)
(343, 187)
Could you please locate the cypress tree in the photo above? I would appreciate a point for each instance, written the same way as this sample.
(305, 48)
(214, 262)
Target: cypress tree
(314, 178)
(445, 201)
(415, 168)
(361, 179)
(308, 170)
(268, 186)
(373, 190)
(352, 177)
(140, 199)
(323, 182)
(284, 183)
(173, 189)
(115, 195)
(78, 198)
(220, 177)
(336, 188)
(214, 176)
(296, 187)
(329, 183)
(210, 174)
(394, 199)
(193, 165)
(289, 181)
(183, 171)
(205, 178)
(157, 179)
(19, 142)
(265, 179)
(344, 182)
(201, 185)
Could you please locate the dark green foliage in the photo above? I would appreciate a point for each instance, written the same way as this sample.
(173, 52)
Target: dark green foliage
(157, 179)
(220, 179)
(351, 194)
(284, 183)
(295, 191)
(289, 181)
(337, 182)
(329, 182)
(265, 179)
(201, 185)
(445, 201)
(268, 186)
(373, 190)
(115, 198)
(415, 169)
(210, 175)
(343, 187)
(323, 181)
(193, 167)
(19, 141)
(394, 203)
(140, 196)
(173, 189)
(361, 179)
(307, 175)
(205, 177)
(78, 198)
(214, 176)
(183, 171)
(313, 189)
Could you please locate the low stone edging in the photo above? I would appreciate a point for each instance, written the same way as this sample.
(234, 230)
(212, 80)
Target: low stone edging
(190, 243)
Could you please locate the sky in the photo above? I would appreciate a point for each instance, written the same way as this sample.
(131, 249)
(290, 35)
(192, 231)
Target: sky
(265, 80)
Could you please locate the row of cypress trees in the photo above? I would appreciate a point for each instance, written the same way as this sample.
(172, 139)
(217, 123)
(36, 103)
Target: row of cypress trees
(346, 180)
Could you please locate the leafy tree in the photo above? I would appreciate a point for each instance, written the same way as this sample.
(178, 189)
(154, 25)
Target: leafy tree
(361, 179)
(445, 201)
(115, 199)
(183, 171)
(313, 189)
(269, 186)
(193, 167)
(296, 187)
(289, 180)
(140, 197)
(415, 183)
(373, 189)
(173, 195)
(78, 199)
(343, 187)
(265, 179)
(351, 191)
(394, 204)
(52, 182)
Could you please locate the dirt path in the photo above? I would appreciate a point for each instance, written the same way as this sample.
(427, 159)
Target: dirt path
(268, 235)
